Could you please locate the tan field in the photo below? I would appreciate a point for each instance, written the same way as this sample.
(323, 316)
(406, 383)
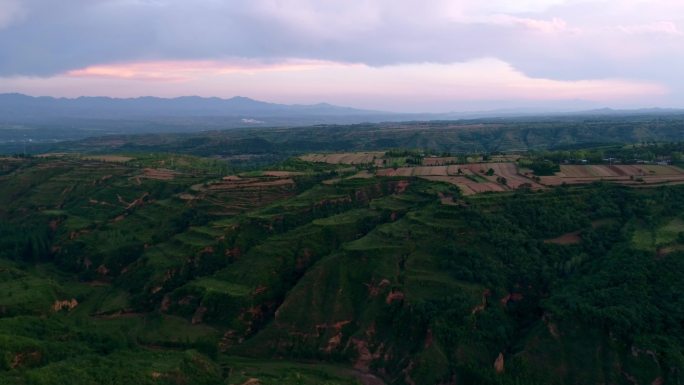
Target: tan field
(235, 182)
(282, 174)
(439, 161)
(477, 171)
(108, 158)
(472, 178)
(514, 180)
(635, 175)
(159, 173)
(467, 186)
(505, 158)
(344, 158)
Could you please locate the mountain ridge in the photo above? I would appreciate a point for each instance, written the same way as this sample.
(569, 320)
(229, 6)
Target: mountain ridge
(21, 106)
(197, 113)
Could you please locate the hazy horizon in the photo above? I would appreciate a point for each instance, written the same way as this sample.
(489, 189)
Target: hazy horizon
(411, 57)
(503, 106)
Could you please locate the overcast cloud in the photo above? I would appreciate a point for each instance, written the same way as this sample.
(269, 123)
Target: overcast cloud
(563, 41)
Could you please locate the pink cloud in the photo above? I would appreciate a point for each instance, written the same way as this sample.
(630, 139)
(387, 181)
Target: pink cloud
(409, 87)
(170, 71)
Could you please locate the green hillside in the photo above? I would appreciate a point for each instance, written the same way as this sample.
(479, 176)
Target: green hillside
(167, 269)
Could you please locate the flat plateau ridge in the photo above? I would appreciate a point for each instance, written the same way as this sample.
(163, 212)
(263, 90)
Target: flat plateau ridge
(506, 175)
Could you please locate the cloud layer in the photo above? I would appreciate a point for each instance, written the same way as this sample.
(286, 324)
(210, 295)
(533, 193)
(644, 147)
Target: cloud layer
(568, 41)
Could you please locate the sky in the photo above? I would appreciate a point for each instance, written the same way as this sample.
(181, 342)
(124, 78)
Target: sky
(392, 55)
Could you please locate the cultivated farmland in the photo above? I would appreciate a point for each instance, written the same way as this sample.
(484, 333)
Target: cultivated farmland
(502, 173)
(634, 175)
(344, 158)
(439, 161)
(470, 178)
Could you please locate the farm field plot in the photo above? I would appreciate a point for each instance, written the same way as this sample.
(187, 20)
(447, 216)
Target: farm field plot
(281, 174)
(468, 186)
(415, 171)
(505, 158)
(435, 170)
(344, 158)
(52, 155)
(439, 161)
(234, 194)
(624, 174)
(506, 170)
(241, 183)
(159, 174)
(109, 158)
(471, 178)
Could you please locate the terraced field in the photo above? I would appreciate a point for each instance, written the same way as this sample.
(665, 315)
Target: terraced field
(474, 178)
(471, 178)
(345, 158)
(633, 175)
(386, 276)
(439, 161)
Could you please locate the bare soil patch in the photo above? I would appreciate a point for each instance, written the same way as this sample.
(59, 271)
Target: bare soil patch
(572, 238)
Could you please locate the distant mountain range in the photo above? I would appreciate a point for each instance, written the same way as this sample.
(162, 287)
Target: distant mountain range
(21, 107)
(27, 119)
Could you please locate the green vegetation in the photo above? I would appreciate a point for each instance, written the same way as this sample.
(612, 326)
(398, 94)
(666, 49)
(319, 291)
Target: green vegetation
(541, 167)
(124, 272)
(249, 147)
(646, 152)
